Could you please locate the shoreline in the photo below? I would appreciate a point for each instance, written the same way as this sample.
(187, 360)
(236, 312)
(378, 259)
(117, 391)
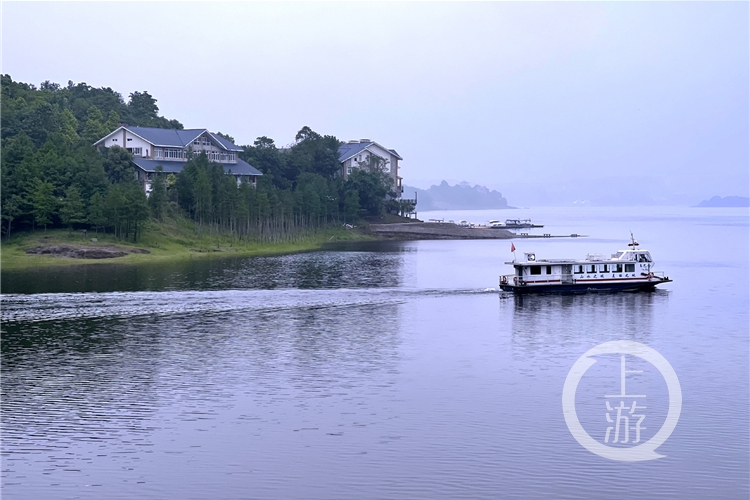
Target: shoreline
(165, 243)
(13, 255)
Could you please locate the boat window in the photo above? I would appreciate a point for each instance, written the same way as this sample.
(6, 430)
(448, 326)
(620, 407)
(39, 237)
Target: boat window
(591, 268)
(578, 270)
(549, 269)
(605, 268)
(617, 255)
(629, 268)
(535, 270)
(617, 268)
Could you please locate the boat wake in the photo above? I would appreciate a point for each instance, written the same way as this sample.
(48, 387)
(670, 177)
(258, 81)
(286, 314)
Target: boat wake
(68, 306)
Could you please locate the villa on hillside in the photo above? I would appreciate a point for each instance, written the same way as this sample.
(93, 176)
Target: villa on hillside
(171, 149)
(354, 153)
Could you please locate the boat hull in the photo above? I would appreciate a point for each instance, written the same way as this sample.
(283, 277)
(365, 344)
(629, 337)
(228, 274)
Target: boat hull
(584, 287)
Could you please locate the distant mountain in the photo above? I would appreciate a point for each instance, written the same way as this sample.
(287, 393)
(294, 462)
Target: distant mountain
(727, 201)
(462, 196)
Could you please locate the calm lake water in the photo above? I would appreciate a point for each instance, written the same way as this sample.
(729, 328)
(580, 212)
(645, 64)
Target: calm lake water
(379, 370)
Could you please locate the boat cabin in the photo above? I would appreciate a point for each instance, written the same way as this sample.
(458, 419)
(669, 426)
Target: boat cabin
(623, 264)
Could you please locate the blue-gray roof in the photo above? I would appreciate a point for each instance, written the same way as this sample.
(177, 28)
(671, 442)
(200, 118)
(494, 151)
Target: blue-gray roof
(348, 150)
(177, 138)
(226, 143)
(175, 167)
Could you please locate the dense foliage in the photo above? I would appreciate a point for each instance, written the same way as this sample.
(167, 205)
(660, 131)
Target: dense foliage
(52, 176)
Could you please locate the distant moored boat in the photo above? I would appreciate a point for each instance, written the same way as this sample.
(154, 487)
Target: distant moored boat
(514, 224)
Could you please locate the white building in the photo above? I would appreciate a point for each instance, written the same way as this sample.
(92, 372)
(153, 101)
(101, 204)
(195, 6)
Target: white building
(354, 153)
(171, 149)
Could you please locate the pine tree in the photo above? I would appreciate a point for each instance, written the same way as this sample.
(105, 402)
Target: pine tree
(72, 210)
(43, 203)
(157, 200)
(96, 215)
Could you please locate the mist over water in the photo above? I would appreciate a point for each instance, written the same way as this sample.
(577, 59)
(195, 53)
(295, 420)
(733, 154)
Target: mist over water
(376, 370)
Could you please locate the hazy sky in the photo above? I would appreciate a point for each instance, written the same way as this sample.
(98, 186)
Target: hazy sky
(560, 96)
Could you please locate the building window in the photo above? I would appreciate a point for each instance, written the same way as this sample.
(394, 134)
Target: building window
(173, 154)
(197, 142)
(348, 170)
(129, 139)
(114, 140)
(136, 151)
(157, 153)
(232, 157)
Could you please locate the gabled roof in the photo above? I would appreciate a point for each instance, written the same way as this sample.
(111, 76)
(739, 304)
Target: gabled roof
(348, 150)
(171, 138)
(225, 143)
(175, 167)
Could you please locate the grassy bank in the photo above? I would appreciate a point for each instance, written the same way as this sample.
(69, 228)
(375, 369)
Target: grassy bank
(167, 241)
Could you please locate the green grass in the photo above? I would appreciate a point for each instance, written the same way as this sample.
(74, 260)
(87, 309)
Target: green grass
(174, 239)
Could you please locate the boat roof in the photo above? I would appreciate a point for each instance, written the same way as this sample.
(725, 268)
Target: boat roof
(620, 256)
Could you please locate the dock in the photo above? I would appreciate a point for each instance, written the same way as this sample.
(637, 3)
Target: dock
(449, 231)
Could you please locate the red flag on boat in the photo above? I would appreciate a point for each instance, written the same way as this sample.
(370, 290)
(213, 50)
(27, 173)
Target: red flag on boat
(512, 247)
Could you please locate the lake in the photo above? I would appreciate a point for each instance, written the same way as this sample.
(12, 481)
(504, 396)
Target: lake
(377, 370)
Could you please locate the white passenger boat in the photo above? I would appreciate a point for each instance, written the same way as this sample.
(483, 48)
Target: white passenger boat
(631, 269)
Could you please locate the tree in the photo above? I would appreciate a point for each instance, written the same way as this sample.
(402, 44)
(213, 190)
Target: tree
(157, 200)
(372, 183)
(43, 203)
(202, 196)
(11, 209)
(117, 164)
(72, 210)
(113, 121)
(96, 215)
(126, 209)
(69, 127)
(94, 129)
(143, 108)
(114, 209)
(136, 210)
(351, 205)
(306, 133)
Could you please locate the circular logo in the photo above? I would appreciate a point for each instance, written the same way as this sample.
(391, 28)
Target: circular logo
(644, 451)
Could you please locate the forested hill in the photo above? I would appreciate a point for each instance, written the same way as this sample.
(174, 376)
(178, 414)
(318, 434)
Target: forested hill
(77, 111)
(462, 196)
(52, 176)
